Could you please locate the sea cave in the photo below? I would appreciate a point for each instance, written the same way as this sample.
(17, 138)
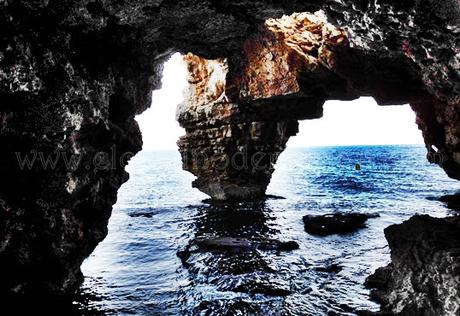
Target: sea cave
(75, 74)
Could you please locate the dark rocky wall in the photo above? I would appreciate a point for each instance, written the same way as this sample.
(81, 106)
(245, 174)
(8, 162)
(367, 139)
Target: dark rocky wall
(73, 74)
(424, 275)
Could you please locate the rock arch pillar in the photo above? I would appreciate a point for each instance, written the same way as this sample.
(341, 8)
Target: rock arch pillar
(231, 153)
(240, 112)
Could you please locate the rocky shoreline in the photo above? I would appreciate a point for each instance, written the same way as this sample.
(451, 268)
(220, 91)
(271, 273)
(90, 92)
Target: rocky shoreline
(423, 277)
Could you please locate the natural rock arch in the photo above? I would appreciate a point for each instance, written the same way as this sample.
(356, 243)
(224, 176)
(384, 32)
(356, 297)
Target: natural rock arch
(239, 113)
(73, 75)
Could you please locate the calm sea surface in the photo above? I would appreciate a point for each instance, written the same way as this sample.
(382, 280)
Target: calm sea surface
(136, 270)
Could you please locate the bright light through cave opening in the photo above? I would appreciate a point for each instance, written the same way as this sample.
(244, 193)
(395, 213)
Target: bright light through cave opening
(160, 130)
(358, 122)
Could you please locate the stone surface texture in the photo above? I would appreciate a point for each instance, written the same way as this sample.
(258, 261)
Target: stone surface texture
(337, 223)
(424, 275)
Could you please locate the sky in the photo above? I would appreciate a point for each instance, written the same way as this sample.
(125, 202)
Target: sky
(358, 122)
(160, 130)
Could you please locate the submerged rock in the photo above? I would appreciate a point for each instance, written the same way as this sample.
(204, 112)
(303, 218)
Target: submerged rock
(452, 201)
(331, 268)
(242, 244)
(338, 223)
(228, 307)
(423, 277)
(260, 287)
(233, 244)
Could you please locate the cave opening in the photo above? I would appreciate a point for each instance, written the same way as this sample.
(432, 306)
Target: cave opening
(158, 125)
(351, 159)
(161, 229)
(359, 122)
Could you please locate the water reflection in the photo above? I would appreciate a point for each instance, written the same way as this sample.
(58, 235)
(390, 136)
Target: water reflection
(231, 255)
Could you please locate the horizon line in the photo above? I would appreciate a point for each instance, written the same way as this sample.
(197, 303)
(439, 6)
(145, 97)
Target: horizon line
(304, 146)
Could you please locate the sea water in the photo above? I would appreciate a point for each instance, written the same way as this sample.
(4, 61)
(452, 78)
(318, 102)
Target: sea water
(136, 270)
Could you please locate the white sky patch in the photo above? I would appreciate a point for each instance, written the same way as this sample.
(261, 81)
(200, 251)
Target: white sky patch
(358, 122)
(160, 130)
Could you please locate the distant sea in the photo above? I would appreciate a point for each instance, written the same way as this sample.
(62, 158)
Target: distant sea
(136, 270)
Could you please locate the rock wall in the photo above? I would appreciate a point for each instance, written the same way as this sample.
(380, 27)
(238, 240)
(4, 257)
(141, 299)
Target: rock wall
(73, 74)
(424, 275)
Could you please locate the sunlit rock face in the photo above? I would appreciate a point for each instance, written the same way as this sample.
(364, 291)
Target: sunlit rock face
(289, 46)
(73, 75)
(231, 154)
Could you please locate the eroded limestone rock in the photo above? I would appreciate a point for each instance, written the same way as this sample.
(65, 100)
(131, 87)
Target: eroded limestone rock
(424, 275)
(284, 73)
(232, 155)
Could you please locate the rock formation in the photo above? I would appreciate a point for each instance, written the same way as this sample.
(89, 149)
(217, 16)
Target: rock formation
(239, 112)
(424, 275)
(232, 154)
(452, 201)
(73, 75)
(338, 223)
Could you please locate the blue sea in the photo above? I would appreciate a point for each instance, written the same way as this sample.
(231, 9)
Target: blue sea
(136, 270)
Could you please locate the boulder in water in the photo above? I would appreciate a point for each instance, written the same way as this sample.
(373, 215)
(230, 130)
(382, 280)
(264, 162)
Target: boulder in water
(338, 223)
